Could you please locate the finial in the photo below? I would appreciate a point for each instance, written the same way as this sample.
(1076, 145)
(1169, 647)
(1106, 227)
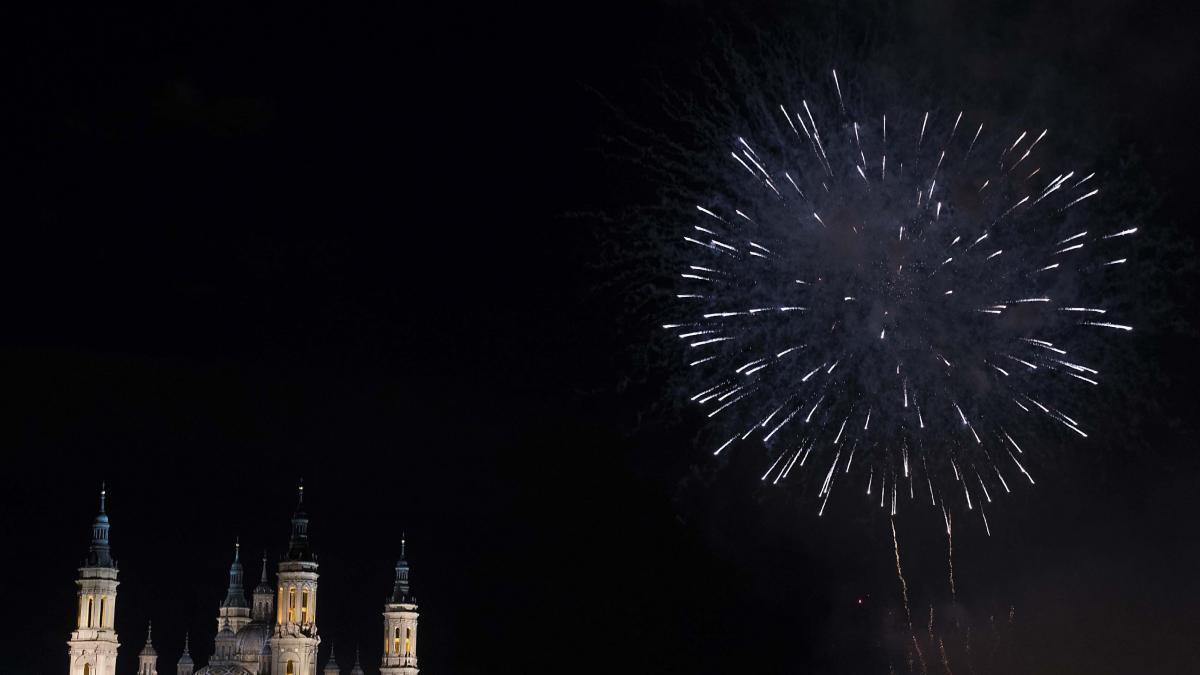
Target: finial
(185, 643)
(103, 491)
(149, 629)
(263, 578)
(403, 538)
(237, 549)
(302, 489)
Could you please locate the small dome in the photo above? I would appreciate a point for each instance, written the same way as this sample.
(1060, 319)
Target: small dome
(253, 638)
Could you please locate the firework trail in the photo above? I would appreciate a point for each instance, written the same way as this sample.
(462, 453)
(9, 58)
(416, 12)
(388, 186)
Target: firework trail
(950, 562)
(905, 301)
(900, 575)
(904, 595)
(945, 659)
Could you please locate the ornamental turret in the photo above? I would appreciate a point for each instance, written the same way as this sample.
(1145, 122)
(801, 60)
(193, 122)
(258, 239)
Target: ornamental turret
(331, 665)
(186, 665)
(148, 657)
(234, 611)
(262, 602)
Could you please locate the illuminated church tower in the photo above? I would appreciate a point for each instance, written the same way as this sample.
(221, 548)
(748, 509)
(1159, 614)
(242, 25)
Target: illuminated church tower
(93, 644)
(400, 624)
(295, 640)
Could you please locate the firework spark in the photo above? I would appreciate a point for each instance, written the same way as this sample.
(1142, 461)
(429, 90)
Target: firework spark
(888, 291)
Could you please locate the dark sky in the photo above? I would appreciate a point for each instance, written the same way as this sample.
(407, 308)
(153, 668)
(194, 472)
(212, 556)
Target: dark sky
(246, 244)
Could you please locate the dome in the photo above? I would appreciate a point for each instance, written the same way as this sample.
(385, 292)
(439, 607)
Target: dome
(223, 670)
(252, 639)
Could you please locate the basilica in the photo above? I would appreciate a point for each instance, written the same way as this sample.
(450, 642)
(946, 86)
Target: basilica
(275, 633)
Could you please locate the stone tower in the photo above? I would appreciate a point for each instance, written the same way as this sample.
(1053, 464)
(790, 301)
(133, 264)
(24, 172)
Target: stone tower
(148, 658)
(400, 624)
(295, 640)
(93, 644)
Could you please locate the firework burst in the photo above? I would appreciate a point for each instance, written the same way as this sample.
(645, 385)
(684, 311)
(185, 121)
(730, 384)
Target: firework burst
(903, 304)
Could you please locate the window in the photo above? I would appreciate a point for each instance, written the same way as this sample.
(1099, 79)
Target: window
(304, 607)
(279, 607)
(291, 668)
(89, 614)
(408, 641)
(396, 641)
(291, 604)
(103, 601)
(87, 669)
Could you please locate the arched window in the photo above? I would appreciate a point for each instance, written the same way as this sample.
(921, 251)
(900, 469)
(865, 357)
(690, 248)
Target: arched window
(87, 669)
(304, 607)
(291, 668)
(291, 604)
(103, 601)
(279, 607)
(396, 641)
(408, 641)
(89, 614)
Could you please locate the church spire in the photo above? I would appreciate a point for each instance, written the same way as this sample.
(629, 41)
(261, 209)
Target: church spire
(331, 664)
(264, 596)
(186, 665)
(99, 553)
(298, 544)
(236, 596)
(400, 589)
(148, 658)
(263, 586)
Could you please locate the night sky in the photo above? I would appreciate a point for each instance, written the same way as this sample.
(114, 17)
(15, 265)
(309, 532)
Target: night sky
(364, 246)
